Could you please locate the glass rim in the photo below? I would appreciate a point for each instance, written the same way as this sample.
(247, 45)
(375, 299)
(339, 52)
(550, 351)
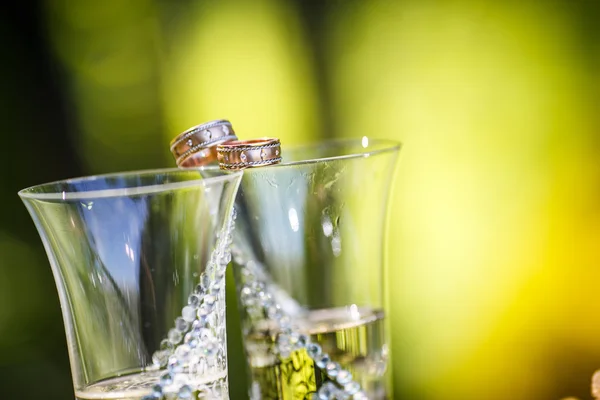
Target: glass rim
(386, 146)
(223, 175)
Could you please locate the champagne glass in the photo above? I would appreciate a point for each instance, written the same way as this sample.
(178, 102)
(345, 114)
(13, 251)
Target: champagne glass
(309, 267)
(139, 262)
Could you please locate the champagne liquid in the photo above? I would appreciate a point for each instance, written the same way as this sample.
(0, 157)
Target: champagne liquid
(353, 337)
(135, 387)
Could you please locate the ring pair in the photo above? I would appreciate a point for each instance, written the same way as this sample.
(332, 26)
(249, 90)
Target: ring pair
(217, 141)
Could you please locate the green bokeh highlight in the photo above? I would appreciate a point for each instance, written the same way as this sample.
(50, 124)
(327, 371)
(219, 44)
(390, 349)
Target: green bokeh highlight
(495, 218)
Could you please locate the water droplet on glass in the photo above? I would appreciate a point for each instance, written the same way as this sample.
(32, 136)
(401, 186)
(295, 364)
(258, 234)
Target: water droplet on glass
(336, 244)
(327, 225)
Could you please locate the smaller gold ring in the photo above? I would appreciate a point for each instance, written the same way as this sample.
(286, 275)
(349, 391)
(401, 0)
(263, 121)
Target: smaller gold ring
(240, 154)
(196, 146)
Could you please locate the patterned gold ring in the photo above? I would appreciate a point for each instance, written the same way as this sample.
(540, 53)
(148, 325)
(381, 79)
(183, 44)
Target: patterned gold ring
(240, 154)
(197, 145)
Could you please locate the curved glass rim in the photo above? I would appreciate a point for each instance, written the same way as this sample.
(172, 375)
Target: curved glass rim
(223, 175)
(386, 145)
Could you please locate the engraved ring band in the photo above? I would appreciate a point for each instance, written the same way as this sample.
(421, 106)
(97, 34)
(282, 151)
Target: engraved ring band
(240, 154)
(197, 145)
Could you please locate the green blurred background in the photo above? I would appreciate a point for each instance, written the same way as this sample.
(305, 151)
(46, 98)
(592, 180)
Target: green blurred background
(494, 256)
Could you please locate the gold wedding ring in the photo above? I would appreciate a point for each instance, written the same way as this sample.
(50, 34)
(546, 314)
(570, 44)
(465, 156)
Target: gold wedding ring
(240, 154)
(197, 145)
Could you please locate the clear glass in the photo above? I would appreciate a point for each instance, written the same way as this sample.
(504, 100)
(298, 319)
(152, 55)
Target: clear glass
(309, 267)
(139, 261)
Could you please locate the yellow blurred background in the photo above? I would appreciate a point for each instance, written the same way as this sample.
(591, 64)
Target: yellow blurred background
(494, 255)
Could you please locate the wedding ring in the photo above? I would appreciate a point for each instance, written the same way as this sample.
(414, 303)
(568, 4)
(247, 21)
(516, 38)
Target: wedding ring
(197, 145)
(240, 154)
